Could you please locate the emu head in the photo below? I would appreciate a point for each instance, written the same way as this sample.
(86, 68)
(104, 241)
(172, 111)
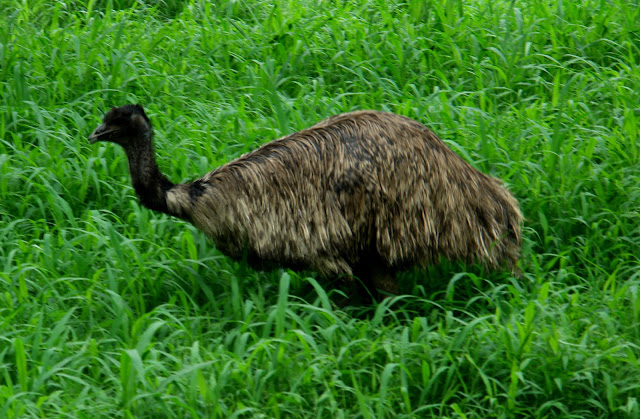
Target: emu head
(127, 125)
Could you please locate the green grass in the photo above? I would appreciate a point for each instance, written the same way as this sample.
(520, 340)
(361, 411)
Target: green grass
(110, 310)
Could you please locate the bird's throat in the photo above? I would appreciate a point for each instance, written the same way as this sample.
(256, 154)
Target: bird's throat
(150, 184)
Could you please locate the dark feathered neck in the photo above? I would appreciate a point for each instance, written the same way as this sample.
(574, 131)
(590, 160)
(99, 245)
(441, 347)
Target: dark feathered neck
(149, 183)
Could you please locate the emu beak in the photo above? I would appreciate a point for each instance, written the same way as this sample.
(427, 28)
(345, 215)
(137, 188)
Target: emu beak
(97, 134)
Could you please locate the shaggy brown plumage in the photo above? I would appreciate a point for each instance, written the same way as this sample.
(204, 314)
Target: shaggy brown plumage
(363, 193)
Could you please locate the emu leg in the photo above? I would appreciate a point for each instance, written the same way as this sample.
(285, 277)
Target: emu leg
(385, 280)
(377, 277)
(364, 286)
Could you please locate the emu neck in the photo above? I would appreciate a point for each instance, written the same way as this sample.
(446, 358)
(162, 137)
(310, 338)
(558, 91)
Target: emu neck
(149, 183)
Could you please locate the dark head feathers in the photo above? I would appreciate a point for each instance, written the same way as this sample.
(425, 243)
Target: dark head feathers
(122, 125)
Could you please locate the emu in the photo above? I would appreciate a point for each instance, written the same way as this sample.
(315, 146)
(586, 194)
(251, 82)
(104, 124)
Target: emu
(361, 194)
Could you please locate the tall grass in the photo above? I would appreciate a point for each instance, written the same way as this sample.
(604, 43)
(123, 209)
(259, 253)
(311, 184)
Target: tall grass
(109, 310)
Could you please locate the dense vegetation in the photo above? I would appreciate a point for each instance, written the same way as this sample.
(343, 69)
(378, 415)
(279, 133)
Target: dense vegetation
(110, 310)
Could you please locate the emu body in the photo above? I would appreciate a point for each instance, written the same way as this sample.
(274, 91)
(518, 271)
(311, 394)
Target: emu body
(363, 193)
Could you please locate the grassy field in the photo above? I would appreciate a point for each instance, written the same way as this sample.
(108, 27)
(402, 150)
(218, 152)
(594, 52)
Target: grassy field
(110, 310)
